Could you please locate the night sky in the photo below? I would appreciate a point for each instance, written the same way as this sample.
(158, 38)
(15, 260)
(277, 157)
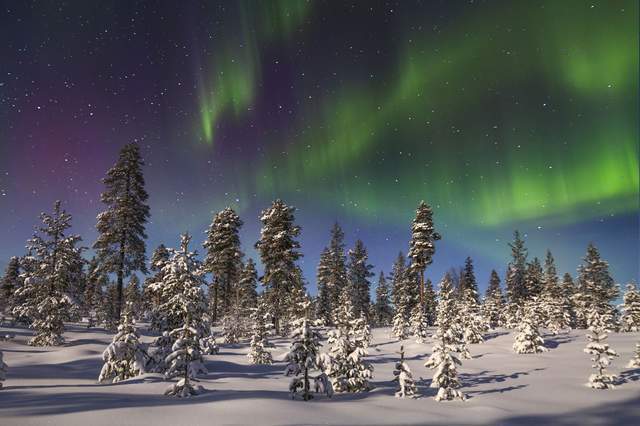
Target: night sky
(501, 115)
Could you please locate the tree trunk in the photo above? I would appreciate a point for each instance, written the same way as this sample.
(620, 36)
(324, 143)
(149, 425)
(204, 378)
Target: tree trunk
(422, 307)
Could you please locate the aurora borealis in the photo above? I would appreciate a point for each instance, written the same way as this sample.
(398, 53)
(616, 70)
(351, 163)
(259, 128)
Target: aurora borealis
(500, 114)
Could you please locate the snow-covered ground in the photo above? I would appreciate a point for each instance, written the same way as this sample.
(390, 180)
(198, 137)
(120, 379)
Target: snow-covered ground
(58, 386)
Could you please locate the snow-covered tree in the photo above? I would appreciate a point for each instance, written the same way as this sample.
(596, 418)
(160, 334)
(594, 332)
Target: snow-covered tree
(233, 327)
(9, 283)
(468, 282)
(494, 302)
(185, 361)
(635, 361)
(323, 280)
(555, 307)
(362, 330)
(599, 323)
(133, 296)
(3, 370)
(533, 279)
(470, 319)
(97, 280)
(447, 338)
(422, 246)
(568, 290)
(382, 311)
(223, 260)
(303, 356)
(349, 372)
(108, 311)
(162, 348)
(596, 289)
(419, 323)
(125, 356)
(183, 280)
(402, 374)
(515, 280)
(528, 339)
(278, 248)
(401, 298)
(54, 262)
(630, 320)
(247, 294)
(120, 246)
(258, 348)
(152, 293)
(359, 272)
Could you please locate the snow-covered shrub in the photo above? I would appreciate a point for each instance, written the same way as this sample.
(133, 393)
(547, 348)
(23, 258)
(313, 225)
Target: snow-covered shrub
(599, 348)
(635, 361)
(302, 358)
(185, 361)
(630, 320)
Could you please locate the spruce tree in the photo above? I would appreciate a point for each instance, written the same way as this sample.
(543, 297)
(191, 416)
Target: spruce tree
(630, 320)
(133, 296)
(596, 289)
(247, 286)
(471, 321)
(359, 272)
(383, 314)
(152, 293)
(468, 281)
(599, 321)
(533, 279)
(9, 284)
(303, 356)
(528, 339)
(125, 356)
(323, 280)
(120, 246)
(223, 260)
(494, 302)
(3, 370)
(182, 288)
(109, 311)
(401, 298)
(337, 276)
(402, 374)
(278, 248)
(258, 348)
(515, 280)
(555, 306)
(443, 358)
(97, 281)
(422, 245)
(54, 262)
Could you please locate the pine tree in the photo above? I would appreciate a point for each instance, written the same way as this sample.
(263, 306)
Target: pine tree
(108, 313)
(323, 280)
(443, 358)
(9, 284)
(97, 280)
(185, 360)
(568, 291)
(133, 296)
(182, 287)
(422, 245)
(223, 260)
(359, 272)
(468, 281)
(402, 374)
(599, 322)
(337, 266)
(596, 289)
(278, 250)
(183, 280)
(515, 280)
(419, 323)
(120, 246)
(303, 357)
(401, 298)
(554, 305)
(493, 302)
(152, 292)
(258, 352)
(472, 323)
(633, 363)
(3, 370)
(125, 356)
(247, 286)
(54, 258)
(528, 339)
(630, 320)
(383, 314)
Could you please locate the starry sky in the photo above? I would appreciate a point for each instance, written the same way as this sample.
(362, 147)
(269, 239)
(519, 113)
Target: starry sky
(502, 115)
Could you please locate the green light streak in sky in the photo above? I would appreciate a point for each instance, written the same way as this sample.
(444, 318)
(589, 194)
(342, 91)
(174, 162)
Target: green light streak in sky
(229, 87)
(466, 123)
